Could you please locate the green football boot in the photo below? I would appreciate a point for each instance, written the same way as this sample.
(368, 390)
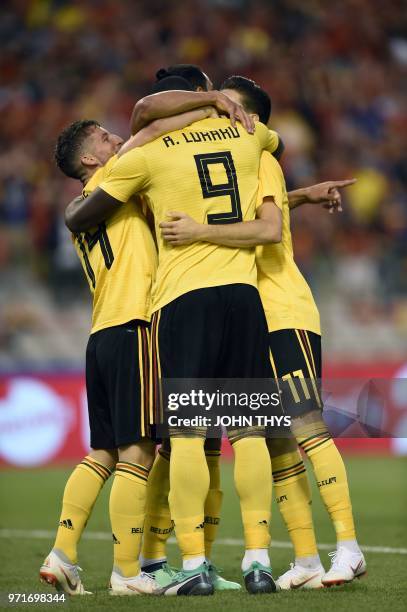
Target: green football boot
(258, 579)
(189, 582)
(219, 583)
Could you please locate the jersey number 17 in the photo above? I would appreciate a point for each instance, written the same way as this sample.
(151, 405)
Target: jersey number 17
(101, 237)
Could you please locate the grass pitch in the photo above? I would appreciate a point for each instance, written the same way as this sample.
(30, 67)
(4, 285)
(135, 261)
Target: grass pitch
(30, 501)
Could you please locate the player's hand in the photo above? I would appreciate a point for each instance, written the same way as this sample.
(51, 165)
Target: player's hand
(235, 111)
(180, 229)
(328, 194)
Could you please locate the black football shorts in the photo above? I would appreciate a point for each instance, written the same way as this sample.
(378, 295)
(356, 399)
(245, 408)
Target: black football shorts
(296, 361)
(117, 384)
(214, 332)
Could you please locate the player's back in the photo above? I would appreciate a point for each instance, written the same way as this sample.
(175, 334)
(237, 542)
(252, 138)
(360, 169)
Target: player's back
(209, 171)
(286, 296)
(119, 260)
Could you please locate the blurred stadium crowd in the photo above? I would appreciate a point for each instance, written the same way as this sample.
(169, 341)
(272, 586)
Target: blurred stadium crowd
(336, 72)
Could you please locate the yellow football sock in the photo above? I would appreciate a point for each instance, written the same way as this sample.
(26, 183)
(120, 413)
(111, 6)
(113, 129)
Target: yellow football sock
(213, 500)
(293, 497)
(158, 524)
(189, 485)
(81, 492)
(332, 482)
(253, 484)
(127, 510)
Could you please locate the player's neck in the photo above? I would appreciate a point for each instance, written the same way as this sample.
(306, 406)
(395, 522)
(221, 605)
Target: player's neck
(87, 175)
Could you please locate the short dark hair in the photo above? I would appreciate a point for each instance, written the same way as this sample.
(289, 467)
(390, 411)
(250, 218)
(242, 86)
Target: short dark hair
(69, 145)
(170, 83)
(193, 74)
(255, 99)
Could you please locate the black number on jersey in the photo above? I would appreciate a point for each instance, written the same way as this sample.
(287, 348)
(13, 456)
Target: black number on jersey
(230, 188)
(91, 240)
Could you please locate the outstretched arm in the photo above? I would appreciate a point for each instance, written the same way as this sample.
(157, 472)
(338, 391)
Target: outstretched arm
(168, 103)
(326, 193)
(181, 229)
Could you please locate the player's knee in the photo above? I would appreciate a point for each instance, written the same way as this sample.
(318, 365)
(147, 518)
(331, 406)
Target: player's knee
(213, 444)
(166, 445)
(241, 434)
(281, 446)
(107, 457)
(142, 453)
(309, 424)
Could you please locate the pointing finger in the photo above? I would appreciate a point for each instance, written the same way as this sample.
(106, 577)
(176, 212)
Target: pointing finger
(344, 183)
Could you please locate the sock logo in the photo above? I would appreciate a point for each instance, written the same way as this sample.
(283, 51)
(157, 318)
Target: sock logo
(264, 522)
(115, 540)
(67, 523)
(137, 530)
(158, 530)
(200, 526)
(281, 499)
(212, 520)
(328, 481)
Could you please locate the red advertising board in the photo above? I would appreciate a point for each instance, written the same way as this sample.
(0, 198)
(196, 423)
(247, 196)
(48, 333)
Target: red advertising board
(43, 419)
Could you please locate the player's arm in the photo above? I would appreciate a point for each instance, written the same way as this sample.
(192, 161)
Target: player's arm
(168, 103)
(127, 176)
(266, 228)
(326, 193)
(83, 213)
(269, 140)
(162, 126)
(276, 145)
(74, 210)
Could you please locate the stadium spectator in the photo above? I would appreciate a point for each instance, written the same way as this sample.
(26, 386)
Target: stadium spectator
(336, 80)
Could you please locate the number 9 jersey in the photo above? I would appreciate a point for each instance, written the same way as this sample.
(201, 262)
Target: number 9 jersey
(209, 171)
(119, 259)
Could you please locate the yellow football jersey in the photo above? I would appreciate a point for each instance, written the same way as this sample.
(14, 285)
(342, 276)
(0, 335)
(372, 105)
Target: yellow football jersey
(119, 259)
(208, 170)
(285, 294)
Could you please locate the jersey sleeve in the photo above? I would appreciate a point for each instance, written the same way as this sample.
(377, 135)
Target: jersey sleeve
(269, 140)
(270, 180)
(128, 175)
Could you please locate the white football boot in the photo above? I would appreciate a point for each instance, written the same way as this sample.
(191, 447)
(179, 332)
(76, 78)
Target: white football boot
(61, 574)
(298, 577)
(345, 567)
(142, 584)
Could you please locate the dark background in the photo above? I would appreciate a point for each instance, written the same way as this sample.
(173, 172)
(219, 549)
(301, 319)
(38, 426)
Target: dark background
(336, 72)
